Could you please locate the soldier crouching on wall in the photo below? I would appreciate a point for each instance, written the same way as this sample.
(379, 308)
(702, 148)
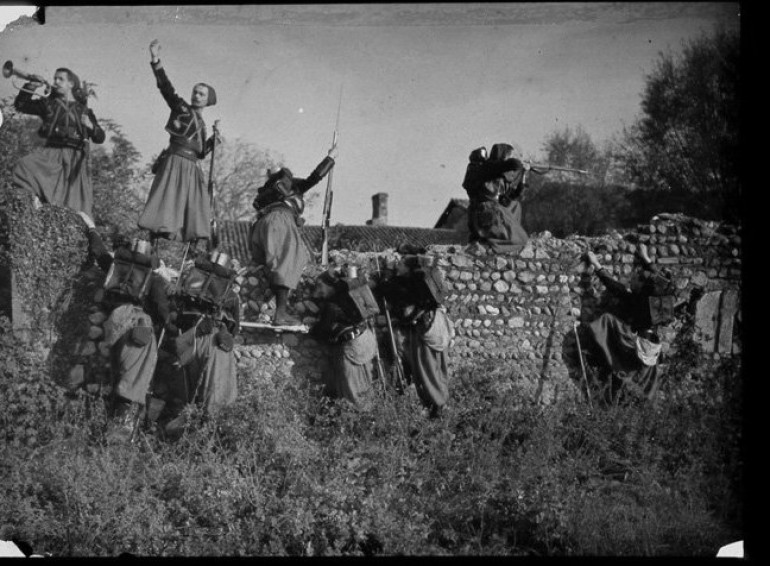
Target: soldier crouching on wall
(347, 309)
(137, 299)
(198, 365)
(275, 239)
(416, 295)
(628, 345)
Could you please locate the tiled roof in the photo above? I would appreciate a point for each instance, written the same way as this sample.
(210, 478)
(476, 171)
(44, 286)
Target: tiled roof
(234, 237)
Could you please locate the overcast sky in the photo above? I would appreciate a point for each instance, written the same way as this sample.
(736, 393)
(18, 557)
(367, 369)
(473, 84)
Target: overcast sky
(423, 84)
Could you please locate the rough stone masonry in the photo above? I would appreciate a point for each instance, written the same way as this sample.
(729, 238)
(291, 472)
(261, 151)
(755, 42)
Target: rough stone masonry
(515, 309)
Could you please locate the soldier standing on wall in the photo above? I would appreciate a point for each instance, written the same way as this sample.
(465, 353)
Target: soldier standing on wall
(275, 239)
(59, 173)
(136, 298)
(416, 294)
(494, 186)
(178, 206)
(347, 310)
(628, 345)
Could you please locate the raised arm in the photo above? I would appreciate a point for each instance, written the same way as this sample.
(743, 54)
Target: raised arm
(304, 185)
(613, 285)
(24, 102)
(164, 84)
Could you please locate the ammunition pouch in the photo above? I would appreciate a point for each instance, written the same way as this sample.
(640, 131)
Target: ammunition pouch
(140, 335)
(224, 340)
(158, 161)
(661, 309)
(348, 333)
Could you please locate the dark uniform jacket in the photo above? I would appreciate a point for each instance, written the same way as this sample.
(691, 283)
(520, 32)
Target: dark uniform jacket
(409, 301)
(634, 307)
(62, 126)
(185, 125)
(294, 199)
(484, 181)
(338, 321)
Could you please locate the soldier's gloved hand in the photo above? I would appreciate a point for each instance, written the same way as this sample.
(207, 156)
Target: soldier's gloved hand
(205, 327)
(224, 340)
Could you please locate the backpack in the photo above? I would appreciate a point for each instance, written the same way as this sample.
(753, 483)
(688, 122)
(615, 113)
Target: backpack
(430, 284)
(360, 301)
(128, 279)
(207, 283)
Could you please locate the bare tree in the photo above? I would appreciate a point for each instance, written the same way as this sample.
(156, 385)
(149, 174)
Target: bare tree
(240, 168)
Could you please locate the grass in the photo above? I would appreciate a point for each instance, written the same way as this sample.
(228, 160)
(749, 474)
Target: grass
(286, 471)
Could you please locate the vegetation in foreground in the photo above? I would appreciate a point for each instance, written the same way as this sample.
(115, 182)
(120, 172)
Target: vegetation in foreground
(288, 472)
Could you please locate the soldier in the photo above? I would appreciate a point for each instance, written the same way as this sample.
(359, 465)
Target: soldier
(348, 307)
(628, 345)
(199, 364)
(417, 294)
(58, 173)
(178, 206)
(137, 299)
(275, 239)
(494, 186)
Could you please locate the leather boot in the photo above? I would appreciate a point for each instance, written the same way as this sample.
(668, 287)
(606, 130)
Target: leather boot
(282, 317)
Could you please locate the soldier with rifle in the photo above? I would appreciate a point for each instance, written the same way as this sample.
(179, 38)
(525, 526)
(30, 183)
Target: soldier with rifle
(58, 173)
(495, 184)
(136, 298)
(423, 331)
(178, 206)
(275, 239)
(348, 307)
(198, 365)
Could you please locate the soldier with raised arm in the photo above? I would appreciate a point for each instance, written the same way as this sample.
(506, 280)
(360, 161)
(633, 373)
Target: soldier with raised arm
(275, 238)
(178, 206)
(627, 344)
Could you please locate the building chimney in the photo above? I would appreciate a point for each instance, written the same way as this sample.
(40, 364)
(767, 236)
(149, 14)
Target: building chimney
(379, 210)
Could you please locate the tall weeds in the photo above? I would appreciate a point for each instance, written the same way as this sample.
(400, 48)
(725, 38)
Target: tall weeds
(286, 471)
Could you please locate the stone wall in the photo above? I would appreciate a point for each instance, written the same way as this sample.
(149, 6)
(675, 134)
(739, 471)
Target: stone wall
(515, 310)
(520, 309)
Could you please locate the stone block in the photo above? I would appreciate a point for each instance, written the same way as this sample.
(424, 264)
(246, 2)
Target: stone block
(97, 318)
(706, 318)
(727, 311)
(95, 332)
(525, 276)
(501, 286)
(76, 377)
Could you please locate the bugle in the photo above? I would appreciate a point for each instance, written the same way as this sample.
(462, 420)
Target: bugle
(10, 71)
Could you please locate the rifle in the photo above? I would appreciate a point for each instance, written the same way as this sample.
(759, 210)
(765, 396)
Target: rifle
(214, 242)
(329, 197)
(543, 168)
(148, 396)
(400, 381)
